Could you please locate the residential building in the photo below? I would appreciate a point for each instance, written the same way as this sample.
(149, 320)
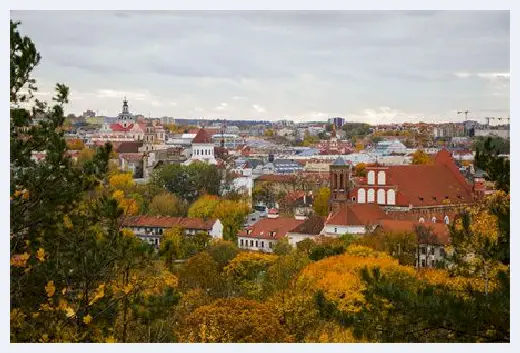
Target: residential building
(152, 228)
(264, 234)
(202, 149)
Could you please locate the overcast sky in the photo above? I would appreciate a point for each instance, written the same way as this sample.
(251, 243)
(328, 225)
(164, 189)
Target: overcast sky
(384, 66)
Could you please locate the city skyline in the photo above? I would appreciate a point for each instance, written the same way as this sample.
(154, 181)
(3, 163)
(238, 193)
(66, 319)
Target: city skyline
(366, 66)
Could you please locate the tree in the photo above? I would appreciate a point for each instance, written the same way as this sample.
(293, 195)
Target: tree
(204, 206)
(75, 144)
(86, 154)
(232, 214)
(420, 157)
(497, 168)
(200, 271)
(282, 247)
(360, 170)
(222, 251)
(172, 246)
(67, 249)
(320, 203)
(121, 181)
(234, 320)
(166, 205)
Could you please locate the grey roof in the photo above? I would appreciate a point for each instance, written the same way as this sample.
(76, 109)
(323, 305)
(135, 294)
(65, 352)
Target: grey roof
(339, 162)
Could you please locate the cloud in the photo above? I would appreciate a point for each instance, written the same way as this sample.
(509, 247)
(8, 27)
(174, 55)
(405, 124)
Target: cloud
(258, 109)
(221, 106)
(296, 63)
(485, 75)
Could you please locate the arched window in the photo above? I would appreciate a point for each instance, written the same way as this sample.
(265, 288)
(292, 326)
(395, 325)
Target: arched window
(370, 196)
(381, 178)
(381, 196)
(370, 177)
(361, 195)
(341, 186)
(447, 220)
(421, 220)
(390, 197)
(434, 220)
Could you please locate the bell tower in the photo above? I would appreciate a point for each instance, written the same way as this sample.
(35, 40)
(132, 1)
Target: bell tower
(339, 179)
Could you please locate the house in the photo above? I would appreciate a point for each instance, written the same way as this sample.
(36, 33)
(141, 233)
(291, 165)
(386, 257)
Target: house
(353, 219)
(151, 228)
(132, 162)
(311, 228)
(431, 250)
(264, 234)
(202, 149)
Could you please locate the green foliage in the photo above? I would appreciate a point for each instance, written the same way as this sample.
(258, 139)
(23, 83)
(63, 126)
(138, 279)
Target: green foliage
(357, 130)
(188, 182)
(497, 168)
(282, 247)
(327, 247)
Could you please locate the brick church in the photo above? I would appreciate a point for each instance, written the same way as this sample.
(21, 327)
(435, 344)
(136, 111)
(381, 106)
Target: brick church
(431, 193)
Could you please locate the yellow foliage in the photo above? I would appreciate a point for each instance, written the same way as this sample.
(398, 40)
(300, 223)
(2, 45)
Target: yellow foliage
(331, 332)
(339, 276)
(20, 260)
(40, 254)
(127, 233)
(121, 181)
(70, 312)
(67, 222)
(87, 319)
(110, 339)
(50, 289)
(100, 293)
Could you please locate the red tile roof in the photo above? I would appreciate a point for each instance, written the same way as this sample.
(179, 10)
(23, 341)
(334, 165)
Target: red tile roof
(356, 215)
(263, 228)
(202, 137)
(168, 222)
(441, 230)
(428, 184)
(117, 127)
(129, 147)
(311, 226)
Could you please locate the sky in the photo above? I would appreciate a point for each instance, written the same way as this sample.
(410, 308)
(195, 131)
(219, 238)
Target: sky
(369, 66)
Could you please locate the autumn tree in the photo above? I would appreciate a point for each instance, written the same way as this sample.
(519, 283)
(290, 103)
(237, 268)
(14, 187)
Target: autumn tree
(282, 247)
(235, 320)
(420, 157)
(222, 251)
(166, 204)
(204, 206)
(232, 214)
(320, 203)
(360, 170)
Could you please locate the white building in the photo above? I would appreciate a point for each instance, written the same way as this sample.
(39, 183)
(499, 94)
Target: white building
(202, 149)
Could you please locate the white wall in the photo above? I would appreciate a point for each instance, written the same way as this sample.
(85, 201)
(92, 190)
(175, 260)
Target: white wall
(339, 230)
(218, 230)
(295, 238)
(254, 246)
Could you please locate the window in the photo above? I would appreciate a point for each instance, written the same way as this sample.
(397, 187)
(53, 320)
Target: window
(421, 220)
(335, 230)
(443, 252)
(371, 177)
(423, 263)
(390, 197)
(381, 196)
(156, 241)
(423, 251)
(361, 195)
(262, 244)
(371, 195)
(434, 219)
(270, 245)
(446, 220)
(256, 243)
(433, 263)
(272, 233)
(241, 242)
(381, 178)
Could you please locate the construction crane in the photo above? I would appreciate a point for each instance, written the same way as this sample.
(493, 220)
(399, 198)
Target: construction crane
(465, 114)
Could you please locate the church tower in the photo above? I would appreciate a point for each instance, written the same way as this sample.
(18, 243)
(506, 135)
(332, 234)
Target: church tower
(125, 119)
(339, 178)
